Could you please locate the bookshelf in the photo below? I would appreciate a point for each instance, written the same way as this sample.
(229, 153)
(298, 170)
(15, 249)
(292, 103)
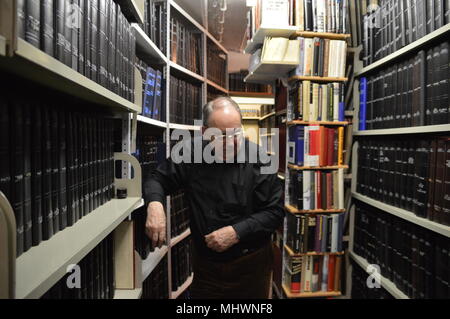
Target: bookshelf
(152, 260)
(267, 116)
(317, 79)
(267, 31)
(295, 122)
(291, 253)
(441, 32)
(299, 168)
(267, 72)
(324, 35)
(385, 283)
(319, 294)
(294, 210)
(34, 64)
(217, 87)
(182, 288)
(133, 10)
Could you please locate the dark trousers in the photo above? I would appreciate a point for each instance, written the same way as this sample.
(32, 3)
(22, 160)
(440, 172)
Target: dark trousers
(247, 277)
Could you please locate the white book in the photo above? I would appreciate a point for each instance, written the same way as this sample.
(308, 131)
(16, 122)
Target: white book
(334, 233)
(299, 15)
(308, 274)
(292, 54)
(307, 189)
(303, 275)
(314, 107)
(344, 15)
(276, 49)
(314, 12)
(341, 188)
(321, 15)
(325, 273)
(333, 16)
(275, 13)
(331, 60)
(336, 102)
(308, 56)
(342, 64)
(306, 96)
(329, 15)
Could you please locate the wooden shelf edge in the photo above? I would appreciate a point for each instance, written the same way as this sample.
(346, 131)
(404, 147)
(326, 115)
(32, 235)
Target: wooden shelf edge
(318, 294)
(300, 168)
(406, 215)
(317, 78)
(193, 75)
(148, 45)
(291, 253)
(267, 116)
(385, 283)
(251, 94)
(299, 122)
(294, 210)
(325, 35)
(216, 86)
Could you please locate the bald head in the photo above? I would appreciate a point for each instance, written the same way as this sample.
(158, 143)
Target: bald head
(222, 113)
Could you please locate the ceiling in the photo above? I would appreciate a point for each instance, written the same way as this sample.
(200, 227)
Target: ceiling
(234, 26)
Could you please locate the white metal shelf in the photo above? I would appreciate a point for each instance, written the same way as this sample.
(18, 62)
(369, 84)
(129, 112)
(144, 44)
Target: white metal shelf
(38, 269)
(196, 24)
(177, 239)
(150, 121)
(267, 31)
(186, 72)
(216, 86)
(253, 100)
(268, 72)
(184, 127)
(385, 283)
(406, 49)
(128, 293)
(406, 215)
(2, 45)
(48, 71)
(134, 10)
(152, 260)
(182, 288)
(146, 48)
(405, 130)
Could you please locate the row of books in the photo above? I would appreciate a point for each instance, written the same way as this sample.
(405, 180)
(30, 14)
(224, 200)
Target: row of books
(236, 83)
(152, 91)
(150, 151)
(412, 174)
(92, 37)
(96, 276)
(185, 101)
(217, 64)
(360, 290)
(155, 17)
(314, 233)
(267, 109)
(307, 15)
(314, 145)
(57, 166)
(321, 57)
(313, 273)
(185, 46)
(309, 101)
(156, 285)
(179, 213)
(315, 190)
(390, 25)
(181, 262)
(413, 258)
(276, 50)
(410, 93)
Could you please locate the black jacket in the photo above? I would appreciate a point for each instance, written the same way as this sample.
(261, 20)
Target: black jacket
(222, 194)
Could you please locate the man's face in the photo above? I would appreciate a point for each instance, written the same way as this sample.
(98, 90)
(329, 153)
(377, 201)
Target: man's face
(223, 119)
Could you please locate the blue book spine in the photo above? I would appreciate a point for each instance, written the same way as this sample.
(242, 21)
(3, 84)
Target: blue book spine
(341, 115)
(362, 103)
(149, 93)
(299, 145)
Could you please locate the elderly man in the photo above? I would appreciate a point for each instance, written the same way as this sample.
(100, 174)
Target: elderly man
(234, 210)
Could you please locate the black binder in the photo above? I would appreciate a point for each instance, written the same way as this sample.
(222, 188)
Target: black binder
(47, 209)
(55, 170)
(27, 177)
(59, 29)
(21, 12)
(32, 22)
(47, 31)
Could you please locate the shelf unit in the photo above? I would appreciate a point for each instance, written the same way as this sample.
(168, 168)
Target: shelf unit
(294, 210)
(182, 288)
(152, 260)
(317, 79)
(145, 47)
(133, 11)
(300, 168)
(416, 45)
(297, 122)
(385, 283)
(251, 94)
(359, 70)
(324, 35)
(34, 64)
(405, 130)
(268, 72)
(268, 31)
(291, 253)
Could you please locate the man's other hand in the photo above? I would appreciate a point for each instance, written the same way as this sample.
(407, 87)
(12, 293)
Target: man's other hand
(155, 225)
(222, 239)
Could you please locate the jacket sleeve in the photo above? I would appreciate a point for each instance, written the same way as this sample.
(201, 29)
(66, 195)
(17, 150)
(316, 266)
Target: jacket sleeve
(165, 180)
(268, 210)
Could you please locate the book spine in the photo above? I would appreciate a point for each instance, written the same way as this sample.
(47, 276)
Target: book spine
(47, 30)
(33, 22)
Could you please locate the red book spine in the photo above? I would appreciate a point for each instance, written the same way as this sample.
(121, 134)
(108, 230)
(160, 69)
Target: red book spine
(330, 146)
(314, 148)
(323, 146)
(331, 272)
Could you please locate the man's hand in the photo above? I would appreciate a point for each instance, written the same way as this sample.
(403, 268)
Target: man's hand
(222, 239)
(155, 226)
